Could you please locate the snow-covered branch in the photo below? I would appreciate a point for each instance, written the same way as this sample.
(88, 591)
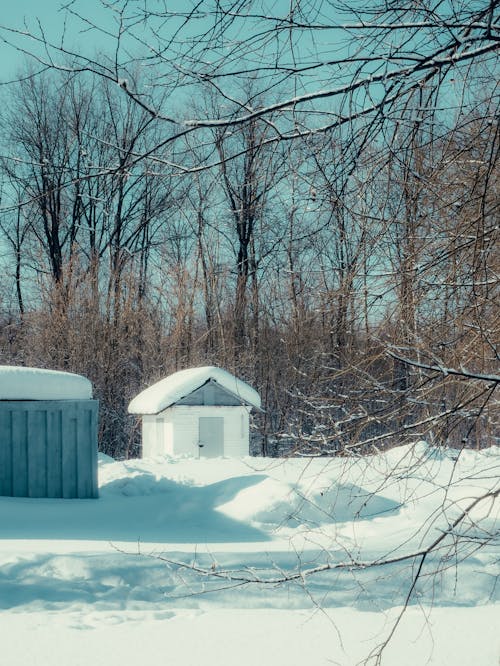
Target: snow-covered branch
(467, 374)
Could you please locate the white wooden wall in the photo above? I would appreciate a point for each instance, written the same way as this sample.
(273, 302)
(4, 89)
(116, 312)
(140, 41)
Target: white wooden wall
(175, 430)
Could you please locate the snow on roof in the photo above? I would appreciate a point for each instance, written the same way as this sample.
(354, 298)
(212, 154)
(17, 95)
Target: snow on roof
(170, 390)
(20, 383)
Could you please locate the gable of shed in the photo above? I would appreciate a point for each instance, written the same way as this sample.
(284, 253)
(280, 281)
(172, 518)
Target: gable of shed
(211, 394)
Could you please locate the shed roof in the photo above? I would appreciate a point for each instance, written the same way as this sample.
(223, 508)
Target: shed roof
(170, 390)
(20, 383)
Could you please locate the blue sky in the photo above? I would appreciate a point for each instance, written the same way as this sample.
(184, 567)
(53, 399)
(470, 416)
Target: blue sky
(14, 11)
(26, 15)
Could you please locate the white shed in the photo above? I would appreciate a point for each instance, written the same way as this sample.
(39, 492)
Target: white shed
(198, 412)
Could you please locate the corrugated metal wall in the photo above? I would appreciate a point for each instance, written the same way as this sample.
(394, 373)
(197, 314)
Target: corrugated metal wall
(48, 448)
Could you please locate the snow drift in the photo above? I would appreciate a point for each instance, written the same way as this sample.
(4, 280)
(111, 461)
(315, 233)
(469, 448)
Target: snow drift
(114, 581)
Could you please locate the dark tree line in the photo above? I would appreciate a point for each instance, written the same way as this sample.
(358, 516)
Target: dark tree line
(322, 220)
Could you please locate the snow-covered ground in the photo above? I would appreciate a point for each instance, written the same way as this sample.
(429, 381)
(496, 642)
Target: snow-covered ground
(151, 571)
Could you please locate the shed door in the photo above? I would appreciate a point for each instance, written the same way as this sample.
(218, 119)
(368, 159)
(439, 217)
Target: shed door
(211, 436)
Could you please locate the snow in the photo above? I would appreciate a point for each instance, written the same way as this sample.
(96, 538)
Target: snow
(110, 581)
(20, 383)
(170, 390)
(247, 638)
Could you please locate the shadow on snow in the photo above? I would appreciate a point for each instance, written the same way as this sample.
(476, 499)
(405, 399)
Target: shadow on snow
(139, 508)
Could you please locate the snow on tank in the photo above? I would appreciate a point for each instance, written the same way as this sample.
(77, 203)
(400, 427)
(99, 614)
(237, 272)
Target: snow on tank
(21, 383)
(170, 390)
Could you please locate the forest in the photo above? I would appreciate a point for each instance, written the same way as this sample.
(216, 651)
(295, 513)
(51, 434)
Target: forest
(303, 193)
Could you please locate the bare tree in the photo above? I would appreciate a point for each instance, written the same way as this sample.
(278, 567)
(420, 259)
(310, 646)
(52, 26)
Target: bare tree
(383, 54)
(247, 183)
(378, 249)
